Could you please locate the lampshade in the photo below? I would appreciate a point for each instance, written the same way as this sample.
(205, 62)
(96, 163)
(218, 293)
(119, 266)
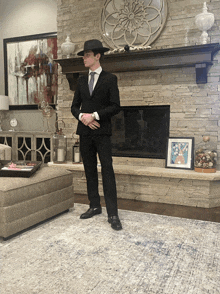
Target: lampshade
(4, 102)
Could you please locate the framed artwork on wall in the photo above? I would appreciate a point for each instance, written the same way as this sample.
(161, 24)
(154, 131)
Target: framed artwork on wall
(180, 153)
(30, 71)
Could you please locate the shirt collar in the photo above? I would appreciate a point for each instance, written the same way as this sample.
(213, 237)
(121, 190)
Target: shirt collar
(98, 70)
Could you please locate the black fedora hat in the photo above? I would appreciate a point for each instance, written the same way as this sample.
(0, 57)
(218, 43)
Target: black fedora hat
(95, 45)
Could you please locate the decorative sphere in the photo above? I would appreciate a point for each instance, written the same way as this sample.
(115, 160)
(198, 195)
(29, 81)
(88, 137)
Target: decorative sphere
(126, 47)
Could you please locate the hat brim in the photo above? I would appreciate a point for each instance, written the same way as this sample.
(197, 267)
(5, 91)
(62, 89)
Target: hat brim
(101, 50)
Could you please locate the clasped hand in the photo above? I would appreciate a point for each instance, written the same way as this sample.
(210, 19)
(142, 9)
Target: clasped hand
(89, 121)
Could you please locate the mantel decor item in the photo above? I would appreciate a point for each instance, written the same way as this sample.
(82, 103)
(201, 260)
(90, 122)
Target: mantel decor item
(132, 22)
(204, 21)
(30, 69)
(206, 157)
(68, 47)
(4, 105)
(180, 153)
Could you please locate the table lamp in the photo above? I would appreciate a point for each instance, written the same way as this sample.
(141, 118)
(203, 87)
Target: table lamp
(4, 105)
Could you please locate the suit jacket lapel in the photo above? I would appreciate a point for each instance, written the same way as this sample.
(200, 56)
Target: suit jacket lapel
(85, 85)
(99, 82)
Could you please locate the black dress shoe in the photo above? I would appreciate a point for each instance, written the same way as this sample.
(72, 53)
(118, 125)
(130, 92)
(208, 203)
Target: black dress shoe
(115, 222)
(91, 212)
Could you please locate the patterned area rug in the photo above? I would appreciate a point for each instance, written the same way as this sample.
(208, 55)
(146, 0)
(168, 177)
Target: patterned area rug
(152, 254)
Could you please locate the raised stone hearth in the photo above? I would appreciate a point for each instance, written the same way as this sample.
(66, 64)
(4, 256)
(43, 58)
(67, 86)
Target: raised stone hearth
(148, 180)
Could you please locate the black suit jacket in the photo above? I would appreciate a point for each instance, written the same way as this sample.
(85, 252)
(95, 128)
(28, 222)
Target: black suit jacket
(104, 100)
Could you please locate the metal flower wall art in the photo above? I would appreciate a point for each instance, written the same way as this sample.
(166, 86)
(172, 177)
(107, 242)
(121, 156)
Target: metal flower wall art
(132, 22)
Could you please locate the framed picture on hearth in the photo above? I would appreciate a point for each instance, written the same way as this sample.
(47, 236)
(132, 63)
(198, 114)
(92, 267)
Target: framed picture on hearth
(180, 153)
(31, 74)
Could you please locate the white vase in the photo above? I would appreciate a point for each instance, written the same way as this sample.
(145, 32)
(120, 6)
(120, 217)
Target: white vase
(204, 21)
(68, 47)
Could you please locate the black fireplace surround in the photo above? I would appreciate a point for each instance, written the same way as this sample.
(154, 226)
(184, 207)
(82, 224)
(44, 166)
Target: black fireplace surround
(141, 131)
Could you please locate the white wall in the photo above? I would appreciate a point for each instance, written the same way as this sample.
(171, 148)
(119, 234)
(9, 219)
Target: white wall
(25, 17)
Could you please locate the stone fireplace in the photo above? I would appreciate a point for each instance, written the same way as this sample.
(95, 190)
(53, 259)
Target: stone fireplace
(177, 78)
(177, 72)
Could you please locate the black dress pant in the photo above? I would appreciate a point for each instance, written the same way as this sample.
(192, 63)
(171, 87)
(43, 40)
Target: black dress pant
(90, 146)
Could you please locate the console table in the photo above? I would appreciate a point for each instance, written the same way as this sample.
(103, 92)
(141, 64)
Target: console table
(29, 146)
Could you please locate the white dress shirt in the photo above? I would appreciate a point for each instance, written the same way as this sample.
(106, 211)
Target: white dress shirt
(96, 77)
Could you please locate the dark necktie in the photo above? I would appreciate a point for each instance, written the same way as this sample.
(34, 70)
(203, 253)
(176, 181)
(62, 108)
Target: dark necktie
(91, 83)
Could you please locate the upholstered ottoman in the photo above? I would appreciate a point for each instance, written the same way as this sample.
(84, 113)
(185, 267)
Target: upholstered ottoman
(25, 202)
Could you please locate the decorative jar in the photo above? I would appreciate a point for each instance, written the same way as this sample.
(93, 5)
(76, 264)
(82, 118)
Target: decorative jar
(204, 21)
(68, 47)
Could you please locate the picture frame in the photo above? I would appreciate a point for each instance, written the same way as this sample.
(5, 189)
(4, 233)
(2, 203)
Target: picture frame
(180, 153)
(31, 75)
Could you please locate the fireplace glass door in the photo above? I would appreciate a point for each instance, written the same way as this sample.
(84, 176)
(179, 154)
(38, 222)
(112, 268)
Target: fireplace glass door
(141, 131)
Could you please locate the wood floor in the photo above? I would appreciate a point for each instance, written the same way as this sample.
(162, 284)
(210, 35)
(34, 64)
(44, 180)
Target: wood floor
(206, 214)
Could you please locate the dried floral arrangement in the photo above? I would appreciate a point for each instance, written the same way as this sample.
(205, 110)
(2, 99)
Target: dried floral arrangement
(205, 158)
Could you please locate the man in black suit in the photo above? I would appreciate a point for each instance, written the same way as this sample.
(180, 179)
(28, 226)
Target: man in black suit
(95, 101)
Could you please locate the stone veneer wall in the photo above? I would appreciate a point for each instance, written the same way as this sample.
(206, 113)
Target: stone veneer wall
(194, 108)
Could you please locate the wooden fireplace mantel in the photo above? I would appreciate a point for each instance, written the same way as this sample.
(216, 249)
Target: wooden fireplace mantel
(198, 56)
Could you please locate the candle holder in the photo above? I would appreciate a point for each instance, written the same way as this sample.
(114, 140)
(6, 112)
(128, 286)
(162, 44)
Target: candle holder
(59, 147)
(76, 152)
